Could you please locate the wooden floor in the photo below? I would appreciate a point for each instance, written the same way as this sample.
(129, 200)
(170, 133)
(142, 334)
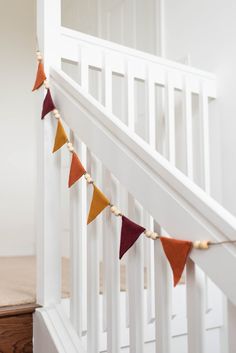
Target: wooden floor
(16, 329)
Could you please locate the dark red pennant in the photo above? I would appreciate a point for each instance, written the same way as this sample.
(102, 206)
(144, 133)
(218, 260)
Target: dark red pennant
(177, 252)
(130, 232)
(48, 104)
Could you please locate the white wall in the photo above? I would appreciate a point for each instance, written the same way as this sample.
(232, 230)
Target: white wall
(17, 128)
(206, 30)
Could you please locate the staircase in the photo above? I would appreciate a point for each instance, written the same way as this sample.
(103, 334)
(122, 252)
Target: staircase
(132, 118)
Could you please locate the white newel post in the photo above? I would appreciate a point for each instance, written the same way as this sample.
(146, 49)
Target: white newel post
(48, 185)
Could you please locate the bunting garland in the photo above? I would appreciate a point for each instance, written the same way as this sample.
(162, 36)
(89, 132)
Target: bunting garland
(40, 77)
(61, 138)
(76, 170)
(176, 251)
(99, 202)
(48, 105)
(130, 232)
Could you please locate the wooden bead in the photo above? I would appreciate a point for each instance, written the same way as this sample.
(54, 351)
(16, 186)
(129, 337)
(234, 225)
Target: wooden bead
(46, 84)
(204, 244)
(153, 236)
(148, 233)
(70, 147)
(39, 56)
(55, 111)
(88, 178)
(117, 212)
(113, 209)
(56, 114)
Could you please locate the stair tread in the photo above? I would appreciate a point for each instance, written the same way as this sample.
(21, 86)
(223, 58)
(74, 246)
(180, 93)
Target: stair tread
(14, 310)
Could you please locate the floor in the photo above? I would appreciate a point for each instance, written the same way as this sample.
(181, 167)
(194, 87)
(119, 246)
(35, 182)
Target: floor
(18, 280)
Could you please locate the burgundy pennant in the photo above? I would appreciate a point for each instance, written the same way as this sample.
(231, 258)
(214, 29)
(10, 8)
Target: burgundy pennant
(48, 104)
(130, 232)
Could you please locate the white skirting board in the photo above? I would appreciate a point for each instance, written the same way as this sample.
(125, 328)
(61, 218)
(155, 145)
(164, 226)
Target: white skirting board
(53, 332)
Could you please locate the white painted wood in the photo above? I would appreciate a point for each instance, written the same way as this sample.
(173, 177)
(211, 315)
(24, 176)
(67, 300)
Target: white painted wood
(107, 82)
(150, 108)
(78, 246)
(69, 50)
(231, 326)
(92, 270)
(204, 116)
(163, 300)
(129, 78)
(149, 264)
(196, 308)
(53, 332)
(170, 118)
(83, 68)
(135, 271)
(49, 228)
(111, 235)
(190, 210)
(189, 131)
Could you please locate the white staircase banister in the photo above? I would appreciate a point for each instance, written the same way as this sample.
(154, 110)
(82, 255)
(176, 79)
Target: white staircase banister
(190, 212)
(70, 40)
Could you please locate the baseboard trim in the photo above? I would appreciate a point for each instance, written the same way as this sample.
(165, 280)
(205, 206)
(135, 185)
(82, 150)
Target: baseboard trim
(53, 332)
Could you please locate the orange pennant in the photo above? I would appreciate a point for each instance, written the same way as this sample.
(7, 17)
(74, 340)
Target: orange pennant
(177, 252)
(40, 77)
(76, 170)
(61, 137)
(99, 202)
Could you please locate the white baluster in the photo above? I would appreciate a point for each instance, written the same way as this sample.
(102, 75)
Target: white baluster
(93, 272)
(78, 227)
(107, 82)
(231, 327)
(149, 264)
(204, 116)
(150, 108)
(196, 309)
(170, 118)
(163, 303)
(107, 89)
(48, 222)
(83, 69)
(136, 284)
(189, 128)
(83, 74)
(130, 95)
(111, 236)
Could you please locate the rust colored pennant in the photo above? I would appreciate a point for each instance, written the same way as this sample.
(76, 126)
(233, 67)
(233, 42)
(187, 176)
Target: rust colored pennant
(76, 170)
(99, 202)
(40, 77)
(48, 104)
(130, 232)
(60, 138)
(177, 252)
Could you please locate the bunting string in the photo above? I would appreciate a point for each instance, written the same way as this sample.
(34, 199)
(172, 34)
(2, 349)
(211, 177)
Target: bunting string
(176, 251)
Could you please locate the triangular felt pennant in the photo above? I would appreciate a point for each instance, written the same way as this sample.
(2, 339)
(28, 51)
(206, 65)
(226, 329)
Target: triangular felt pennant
(99, 202)
(177, 252)
(76, 170)
(60, 138)
(48, 104)
(40, 77)
(130, 232)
